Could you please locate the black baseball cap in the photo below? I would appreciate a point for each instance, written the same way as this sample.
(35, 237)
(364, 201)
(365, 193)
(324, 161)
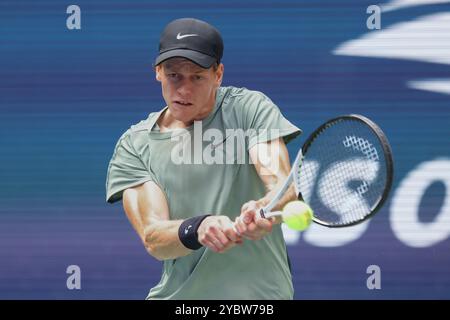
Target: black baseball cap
(192, 39)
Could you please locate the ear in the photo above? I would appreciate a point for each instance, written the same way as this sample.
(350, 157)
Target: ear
(219, 74)
(158, 73)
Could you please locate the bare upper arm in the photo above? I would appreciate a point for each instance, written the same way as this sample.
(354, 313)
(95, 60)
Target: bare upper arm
(144, 204)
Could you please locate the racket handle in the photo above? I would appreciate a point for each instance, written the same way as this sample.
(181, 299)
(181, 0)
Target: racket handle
(270, 214)
(264, 215)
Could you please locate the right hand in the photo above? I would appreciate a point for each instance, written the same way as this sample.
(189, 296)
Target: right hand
(250, 224)
(217, 233)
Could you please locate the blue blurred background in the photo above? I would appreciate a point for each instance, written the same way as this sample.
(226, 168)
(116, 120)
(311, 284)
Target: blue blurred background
(66, 96)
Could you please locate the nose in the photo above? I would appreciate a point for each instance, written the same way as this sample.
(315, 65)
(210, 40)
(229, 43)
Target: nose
(185, 88)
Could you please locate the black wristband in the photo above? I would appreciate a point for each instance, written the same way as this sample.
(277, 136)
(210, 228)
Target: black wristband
(188, 232)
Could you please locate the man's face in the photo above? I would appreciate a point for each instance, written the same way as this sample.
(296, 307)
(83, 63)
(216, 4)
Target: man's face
(188, 89)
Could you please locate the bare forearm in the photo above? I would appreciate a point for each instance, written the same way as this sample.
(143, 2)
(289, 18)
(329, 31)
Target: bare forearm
(273, 173)
(162, 242)
(147, 210)
(288, 196)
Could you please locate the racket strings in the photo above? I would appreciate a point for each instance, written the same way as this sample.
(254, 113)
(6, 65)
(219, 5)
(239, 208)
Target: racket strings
(343, 173)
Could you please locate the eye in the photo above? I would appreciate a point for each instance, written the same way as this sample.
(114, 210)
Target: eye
(173, 76)
(197, 77)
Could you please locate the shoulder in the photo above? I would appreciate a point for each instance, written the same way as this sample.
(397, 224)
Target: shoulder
(144, 125)
(243, 101)
(241, 97)
(138, 131)
(241, 106)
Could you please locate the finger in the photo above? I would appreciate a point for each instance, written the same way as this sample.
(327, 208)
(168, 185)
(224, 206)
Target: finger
(220, 236)
(219, 245)
(240, 225)
(252, 231)
(248, 216)
(249, 206)
(211, 245)
(244, 207)
(216, 242)
(252, 227)
(236, 231)
(232, 233)
(216, 235)
(264, 224)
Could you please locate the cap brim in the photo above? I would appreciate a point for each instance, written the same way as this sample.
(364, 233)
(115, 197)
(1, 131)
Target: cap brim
(203, 60)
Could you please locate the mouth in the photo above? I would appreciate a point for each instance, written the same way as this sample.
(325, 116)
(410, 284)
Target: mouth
(182, 103)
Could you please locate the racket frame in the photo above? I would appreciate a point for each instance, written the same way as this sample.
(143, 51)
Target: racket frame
(265, 212)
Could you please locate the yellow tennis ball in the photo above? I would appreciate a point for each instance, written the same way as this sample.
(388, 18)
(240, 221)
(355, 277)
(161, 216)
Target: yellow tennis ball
(297, 215)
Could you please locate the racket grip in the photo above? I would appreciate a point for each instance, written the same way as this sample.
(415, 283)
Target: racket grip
(271, 214)
(263, 214)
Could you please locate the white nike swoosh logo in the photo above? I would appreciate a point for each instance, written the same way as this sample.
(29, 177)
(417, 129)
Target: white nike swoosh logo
(179, 36)
(369, 46)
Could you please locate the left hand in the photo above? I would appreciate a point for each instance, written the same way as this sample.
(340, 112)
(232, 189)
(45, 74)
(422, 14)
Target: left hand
(250, 224)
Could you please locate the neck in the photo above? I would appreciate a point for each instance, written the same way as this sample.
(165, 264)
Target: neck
(167, 122)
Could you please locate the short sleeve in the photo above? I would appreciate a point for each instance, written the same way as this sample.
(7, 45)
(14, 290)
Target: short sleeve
(265, 122)
(125, 170)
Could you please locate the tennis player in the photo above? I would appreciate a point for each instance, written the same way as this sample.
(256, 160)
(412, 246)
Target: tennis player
(184, 210)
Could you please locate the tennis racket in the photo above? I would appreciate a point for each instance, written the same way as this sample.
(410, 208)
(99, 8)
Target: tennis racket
(344, 172)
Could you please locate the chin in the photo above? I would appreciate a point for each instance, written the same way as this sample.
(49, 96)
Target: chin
(180, 115)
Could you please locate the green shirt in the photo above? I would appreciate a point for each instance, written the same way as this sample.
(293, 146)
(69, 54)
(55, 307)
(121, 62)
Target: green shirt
(218, 182)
